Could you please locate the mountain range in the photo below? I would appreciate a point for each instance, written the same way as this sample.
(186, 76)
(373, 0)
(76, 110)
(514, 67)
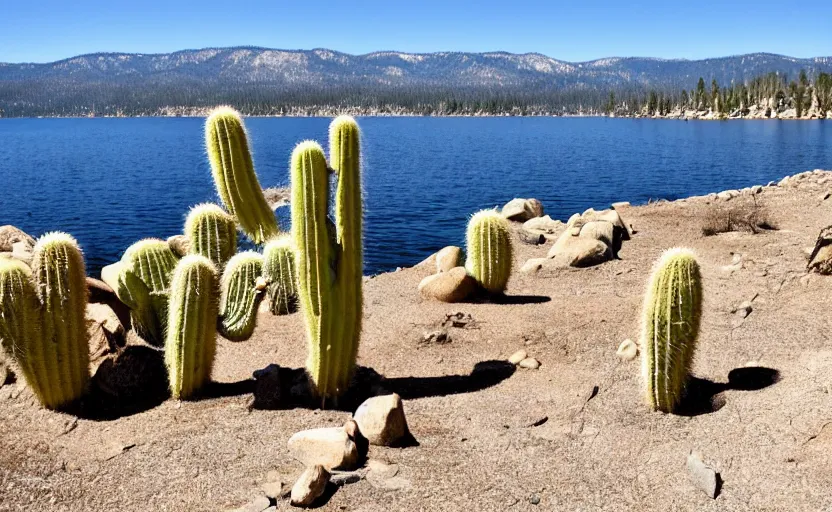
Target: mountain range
(140, 83)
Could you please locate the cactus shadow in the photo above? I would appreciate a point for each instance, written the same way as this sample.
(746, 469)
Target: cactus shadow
(519, 299)
(704, 396)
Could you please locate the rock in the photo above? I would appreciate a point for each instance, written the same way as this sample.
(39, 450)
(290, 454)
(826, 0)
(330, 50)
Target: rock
(105, 317)
(329, 447)
(10, 235)
(757, 189)
(448, 258)
(381, 420)
(623, 231)
(272, 489)
(518, 356)
(440, 337)
(106, 334)
(340, 478)
(576, 251)
(703, 476)
(744, 309)
(620, 205)
(602, 231)
(310, 486)
(258, 504)
(531, 238)
(627, 350)
(529, 363)
(727, 195)
(277, 196)
(820, 260)
(454, 285)
(180, 245)
(23, 251)
(543, 225)
(533, 265)
(521, 210)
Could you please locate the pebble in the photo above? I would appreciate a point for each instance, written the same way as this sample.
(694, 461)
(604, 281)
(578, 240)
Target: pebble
(627, 350)
(517, 357)
(530, 363)
(703, 476)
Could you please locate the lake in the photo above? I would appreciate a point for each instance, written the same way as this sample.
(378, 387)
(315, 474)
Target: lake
(111, 182)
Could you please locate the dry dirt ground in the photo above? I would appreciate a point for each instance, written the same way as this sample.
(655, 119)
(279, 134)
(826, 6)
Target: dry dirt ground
(572, 435)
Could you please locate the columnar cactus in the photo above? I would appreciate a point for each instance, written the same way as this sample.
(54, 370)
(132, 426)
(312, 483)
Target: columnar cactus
(279, 271)
(489, 250)
(142, 282)
(212, 233)
(329, 257)
(672, 313)
(190, 342)
(234, 176)
(243, 288)
(42, 319)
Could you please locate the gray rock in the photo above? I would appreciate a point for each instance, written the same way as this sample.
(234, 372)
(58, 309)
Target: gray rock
(310, 486)
(381, 420)
(454, 285)
(702, 476)
(329, 447)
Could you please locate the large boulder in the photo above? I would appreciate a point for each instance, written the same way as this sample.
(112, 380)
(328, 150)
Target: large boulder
(454, 285)
(448, 258)
(521, 210)
(600, 230)
(10, 235)
(577, 251)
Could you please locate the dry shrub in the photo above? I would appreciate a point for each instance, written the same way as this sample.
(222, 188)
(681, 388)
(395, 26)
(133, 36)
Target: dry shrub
(747, 215)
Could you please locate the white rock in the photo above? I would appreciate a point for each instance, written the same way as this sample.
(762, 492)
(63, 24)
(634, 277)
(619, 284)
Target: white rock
(381, 420)
(329, 447)
(310, 486)
(517, 357)
(627, 350)
(448, 258)
(530, 363)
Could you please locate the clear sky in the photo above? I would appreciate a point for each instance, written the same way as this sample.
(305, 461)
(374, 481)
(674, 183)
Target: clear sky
(577, 30)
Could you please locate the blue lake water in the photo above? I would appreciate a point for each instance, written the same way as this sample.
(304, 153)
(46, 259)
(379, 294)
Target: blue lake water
(111, 182)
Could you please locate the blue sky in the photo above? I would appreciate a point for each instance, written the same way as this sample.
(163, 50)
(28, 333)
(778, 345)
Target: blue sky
(48, 30)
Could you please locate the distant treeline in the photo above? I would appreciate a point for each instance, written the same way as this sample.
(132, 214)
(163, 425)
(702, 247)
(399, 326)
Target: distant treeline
(62, 97)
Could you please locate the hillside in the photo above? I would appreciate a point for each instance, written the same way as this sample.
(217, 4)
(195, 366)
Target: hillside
(260, 80)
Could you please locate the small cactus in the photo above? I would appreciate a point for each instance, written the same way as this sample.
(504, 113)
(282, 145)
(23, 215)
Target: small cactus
(243, 288)
(329, 257)
(191, 338)
(212, 233)
(670, 326)
(279, 271)
(489, 250)
(42, 319)
(234, 176)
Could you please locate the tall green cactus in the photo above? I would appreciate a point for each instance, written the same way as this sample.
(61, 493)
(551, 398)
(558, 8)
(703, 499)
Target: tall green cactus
(142, 282)
(279, 271)
(329, 257)
(212, 233)
(672, 313)
(191, 338)
(42, 319)
(234, 176)
(243, 288)
(489, 250)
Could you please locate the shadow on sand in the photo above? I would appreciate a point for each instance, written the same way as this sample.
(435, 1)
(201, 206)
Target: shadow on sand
(704, 396)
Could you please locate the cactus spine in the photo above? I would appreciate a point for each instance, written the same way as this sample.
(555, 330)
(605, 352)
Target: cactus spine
(242, 290)
(672, 313)
(191, 338)
(234, 176)
(329, 258)
(279, 271)
(212, 233)
(42, 319)
(489, 250)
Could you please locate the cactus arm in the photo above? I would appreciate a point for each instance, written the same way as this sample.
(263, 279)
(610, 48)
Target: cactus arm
(212, 233)
(345, 158)
(190, 343)
(670, 326)
(242, 290)
(234, 176)
(60, 278)
(279, 271)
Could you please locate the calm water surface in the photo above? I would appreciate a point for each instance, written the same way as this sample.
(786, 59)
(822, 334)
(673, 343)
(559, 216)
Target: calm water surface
(111, 182)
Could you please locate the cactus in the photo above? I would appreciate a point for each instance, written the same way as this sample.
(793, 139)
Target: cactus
(672, 313)
(329, 257)
(279, 271)
(42, 319)
(212, 233)
(143, 284)
(242, 290)
(191, 338)
(489, 250)
(234, 176)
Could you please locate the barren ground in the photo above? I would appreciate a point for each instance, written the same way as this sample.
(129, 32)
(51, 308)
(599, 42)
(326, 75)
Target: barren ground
(597, 449)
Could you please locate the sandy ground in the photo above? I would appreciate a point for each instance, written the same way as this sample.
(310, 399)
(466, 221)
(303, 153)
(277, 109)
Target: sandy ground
(596, 446)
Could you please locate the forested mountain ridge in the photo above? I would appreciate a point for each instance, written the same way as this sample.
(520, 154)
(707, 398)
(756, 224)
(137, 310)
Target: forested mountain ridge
(267, 81)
